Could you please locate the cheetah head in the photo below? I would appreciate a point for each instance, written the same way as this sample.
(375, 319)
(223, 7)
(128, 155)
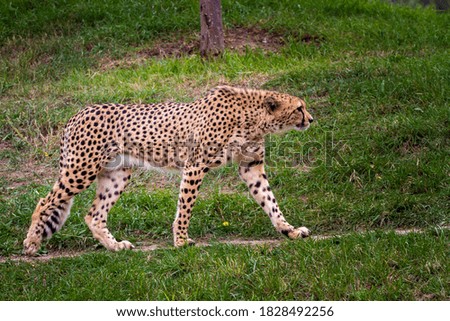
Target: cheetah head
(286, 112)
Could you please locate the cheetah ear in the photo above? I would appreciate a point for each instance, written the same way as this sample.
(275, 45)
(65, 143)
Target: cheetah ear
(271, 104)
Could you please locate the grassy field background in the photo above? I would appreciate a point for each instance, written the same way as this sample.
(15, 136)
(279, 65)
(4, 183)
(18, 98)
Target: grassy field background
(376, 77)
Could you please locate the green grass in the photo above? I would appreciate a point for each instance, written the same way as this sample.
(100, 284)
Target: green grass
(376, 158)
(376, 266)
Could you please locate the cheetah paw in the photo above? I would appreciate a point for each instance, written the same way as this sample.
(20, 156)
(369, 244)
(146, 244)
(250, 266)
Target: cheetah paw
(30, 248)
(123, 245)
(184, 242)
(301, 232)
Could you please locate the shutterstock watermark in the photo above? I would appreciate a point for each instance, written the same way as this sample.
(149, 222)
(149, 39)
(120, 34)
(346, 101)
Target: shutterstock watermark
(277, 152)
(311, 153)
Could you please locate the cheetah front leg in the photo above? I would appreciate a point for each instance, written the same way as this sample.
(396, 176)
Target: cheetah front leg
(254, 176)
(189, 186)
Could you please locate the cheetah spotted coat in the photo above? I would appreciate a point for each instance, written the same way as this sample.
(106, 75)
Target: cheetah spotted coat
(104, 142)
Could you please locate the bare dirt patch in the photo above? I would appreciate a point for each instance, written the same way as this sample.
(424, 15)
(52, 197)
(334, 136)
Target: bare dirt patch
(23, 170)
(4, 145)
(238, 39)
(32, 172)
(38, 173)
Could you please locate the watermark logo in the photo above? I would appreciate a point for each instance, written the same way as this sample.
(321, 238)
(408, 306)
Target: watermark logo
(287, 152)
(308, 154)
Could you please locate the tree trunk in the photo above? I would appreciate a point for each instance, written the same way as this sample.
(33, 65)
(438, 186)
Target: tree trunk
(211, 41)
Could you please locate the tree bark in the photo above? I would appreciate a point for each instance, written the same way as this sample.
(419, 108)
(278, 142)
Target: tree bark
(212, 41)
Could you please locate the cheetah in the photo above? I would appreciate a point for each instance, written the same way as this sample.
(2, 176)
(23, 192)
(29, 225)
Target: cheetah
(103, 143)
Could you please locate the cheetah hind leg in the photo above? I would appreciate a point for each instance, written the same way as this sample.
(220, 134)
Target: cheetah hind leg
(48, 218)
(110, 185)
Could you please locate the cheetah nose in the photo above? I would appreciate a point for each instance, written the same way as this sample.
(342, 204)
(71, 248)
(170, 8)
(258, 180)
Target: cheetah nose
(311, 120)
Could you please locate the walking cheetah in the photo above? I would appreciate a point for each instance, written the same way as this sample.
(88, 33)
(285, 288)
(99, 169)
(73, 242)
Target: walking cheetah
(104, 143)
